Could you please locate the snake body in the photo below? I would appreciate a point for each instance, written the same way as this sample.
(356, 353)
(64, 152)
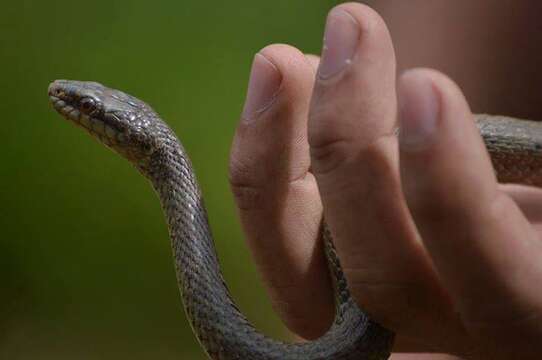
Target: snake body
(134, 130)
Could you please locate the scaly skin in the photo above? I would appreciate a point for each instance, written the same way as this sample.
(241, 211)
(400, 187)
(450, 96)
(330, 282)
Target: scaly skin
(131, 128)
(515, 147)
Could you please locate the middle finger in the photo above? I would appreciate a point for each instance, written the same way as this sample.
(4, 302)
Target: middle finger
(355, 160)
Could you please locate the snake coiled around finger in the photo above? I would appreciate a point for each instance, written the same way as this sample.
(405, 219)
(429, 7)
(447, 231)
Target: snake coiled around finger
(135, 131)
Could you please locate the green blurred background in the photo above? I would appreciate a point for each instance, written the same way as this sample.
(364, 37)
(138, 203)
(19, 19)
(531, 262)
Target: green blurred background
(84, 253)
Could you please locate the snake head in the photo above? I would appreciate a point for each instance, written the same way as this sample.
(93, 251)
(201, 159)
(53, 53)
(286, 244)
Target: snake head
(118, 120)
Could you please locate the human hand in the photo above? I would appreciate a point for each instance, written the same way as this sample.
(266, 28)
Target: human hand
(431, 245)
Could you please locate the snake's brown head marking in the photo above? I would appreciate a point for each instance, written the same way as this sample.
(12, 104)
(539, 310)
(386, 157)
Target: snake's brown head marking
(120, 121)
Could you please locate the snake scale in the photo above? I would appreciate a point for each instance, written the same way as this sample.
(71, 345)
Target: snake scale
(134, 130)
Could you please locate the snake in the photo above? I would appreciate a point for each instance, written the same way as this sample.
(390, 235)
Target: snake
(134, 130)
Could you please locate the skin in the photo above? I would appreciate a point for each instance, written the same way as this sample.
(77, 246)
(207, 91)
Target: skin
(490, 48)
(432, 246)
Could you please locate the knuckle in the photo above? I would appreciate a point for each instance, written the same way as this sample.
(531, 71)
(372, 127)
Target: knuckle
(326, 157)
(377, 161)
(337, 138)
(239, 172)
(329, 147)
(248, 195)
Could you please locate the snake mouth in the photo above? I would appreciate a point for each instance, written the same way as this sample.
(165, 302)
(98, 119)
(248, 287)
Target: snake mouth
(65, 105)
(65, 109)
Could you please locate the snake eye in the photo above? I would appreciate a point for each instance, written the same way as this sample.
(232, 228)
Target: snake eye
(87, 105)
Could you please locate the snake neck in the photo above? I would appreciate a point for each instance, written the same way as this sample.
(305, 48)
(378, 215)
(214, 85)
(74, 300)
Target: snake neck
(196, 262)
(215, 319)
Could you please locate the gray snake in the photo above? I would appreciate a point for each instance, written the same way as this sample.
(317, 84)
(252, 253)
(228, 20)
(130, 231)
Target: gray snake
(134, 130)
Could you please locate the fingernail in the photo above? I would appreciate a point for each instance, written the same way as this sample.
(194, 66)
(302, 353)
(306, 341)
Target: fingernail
(419, 109)
(340, 42)
(263, 86)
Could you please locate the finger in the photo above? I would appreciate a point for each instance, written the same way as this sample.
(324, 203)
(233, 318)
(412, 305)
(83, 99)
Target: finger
(485, 251)
(528, 199)
(314, 60)
(277, 197)
(355, 161)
